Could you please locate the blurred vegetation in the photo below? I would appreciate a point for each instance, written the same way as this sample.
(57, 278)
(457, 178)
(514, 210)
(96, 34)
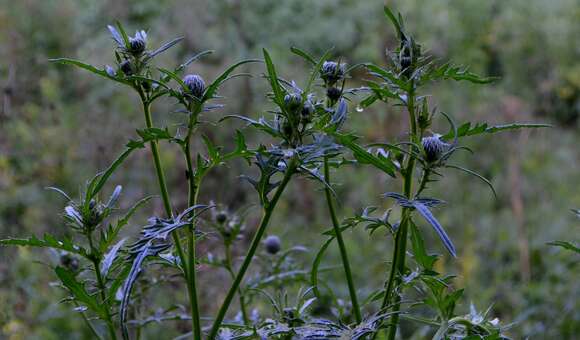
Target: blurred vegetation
(59, 125)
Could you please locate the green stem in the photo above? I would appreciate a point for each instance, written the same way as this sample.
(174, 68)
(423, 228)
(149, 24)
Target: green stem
(162, 183)
(230, 269)
(101, 285)
(398, 264)
(341, 245)
(89, 324)
(102, 288)
(268, 210)
(192, 200)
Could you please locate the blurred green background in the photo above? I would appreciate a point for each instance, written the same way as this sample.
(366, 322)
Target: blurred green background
(59, 126)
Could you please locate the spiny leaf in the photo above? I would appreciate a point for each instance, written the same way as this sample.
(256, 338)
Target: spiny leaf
(467, 129)
(428, 216)
(47, 242)
(78, 291)
(565, 245)
(365, 157)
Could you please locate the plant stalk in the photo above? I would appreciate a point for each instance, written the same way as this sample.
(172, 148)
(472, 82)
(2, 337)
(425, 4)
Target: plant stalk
(191, 201)
(341, 245)
(400, 247)
(268, 210)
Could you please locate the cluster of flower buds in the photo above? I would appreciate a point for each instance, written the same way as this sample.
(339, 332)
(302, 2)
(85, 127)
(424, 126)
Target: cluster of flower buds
(409, 53)
(300, 114)
(433, 147)
(129, 53)
(195, 86)
(332, 73)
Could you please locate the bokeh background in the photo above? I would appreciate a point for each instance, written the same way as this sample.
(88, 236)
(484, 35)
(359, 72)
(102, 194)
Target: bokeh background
(59, 125)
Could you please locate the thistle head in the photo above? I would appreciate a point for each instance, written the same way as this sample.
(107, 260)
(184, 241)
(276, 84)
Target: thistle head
(221, 217)
(307, 111)
(138, 43)
(195, 85)
(433, 147)
(333, 93)
(126, 67)
(272, 244)
(332, 72)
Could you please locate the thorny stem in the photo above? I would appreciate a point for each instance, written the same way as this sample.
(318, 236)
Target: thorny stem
(191, 201)
(400, 247)
(341, 245)
(268, 209)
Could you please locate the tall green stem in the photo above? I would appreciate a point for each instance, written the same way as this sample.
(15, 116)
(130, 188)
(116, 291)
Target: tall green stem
(400, 247)
(192, 200)
(162, 184)
(230, 268)
(268, 210)
(102, 288)
(341, 245)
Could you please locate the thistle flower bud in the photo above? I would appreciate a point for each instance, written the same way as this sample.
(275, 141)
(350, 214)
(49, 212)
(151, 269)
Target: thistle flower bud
(272, 244)
(433, 147)
(333, 93)
(307, 111)
(293, 101)
(69, 262)
(126, 67)
(331, 72)
(221, 217)
(195, 85)
(137, 45)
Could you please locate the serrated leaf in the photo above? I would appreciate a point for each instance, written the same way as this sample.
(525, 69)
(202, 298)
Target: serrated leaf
(565, 245)
(78, 291)
(467, 129)
(365, 157)
(48, 241)
(419, 251)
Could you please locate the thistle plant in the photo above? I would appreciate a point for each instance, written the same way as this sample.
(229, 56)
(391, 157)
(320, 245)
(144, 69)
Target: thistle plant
(308, 137)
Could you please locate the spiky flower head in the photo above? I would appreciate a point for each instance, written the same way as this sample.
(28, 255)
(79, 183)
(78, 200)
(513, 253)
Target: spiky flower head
(333, 93)
(138, 43)
(433, 147)
(195, 85)
(272, 244)
(221, 217)
(126, 67)
(331, 72)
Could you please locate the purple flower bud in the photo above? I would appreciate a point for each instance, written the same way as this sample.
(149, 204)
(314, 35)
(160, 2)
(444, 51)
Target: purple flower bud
(272, 244)
(126, 67)
(137, 46)
(333, 93)
(195, 85)
(331, 72)
(433, 147)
